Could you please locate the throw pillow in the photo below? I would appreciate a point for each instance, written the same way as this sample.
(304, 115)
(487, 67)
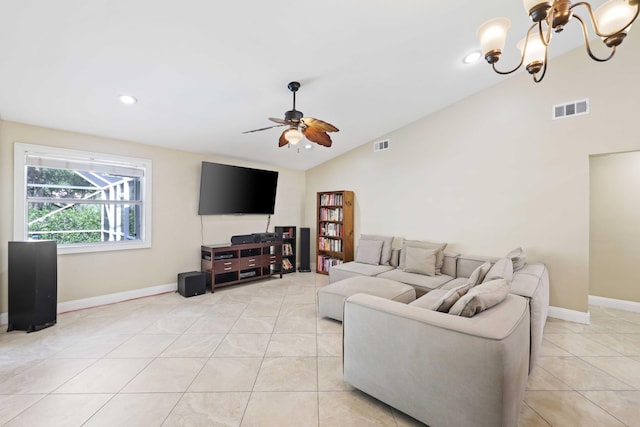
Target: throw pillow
(481, 297)
(447, 300)
(385, 256)
(368, 251)
(518, 258)
(429, 299)
(425, 245)
(421, 261)
(479, 274)
(502, 269)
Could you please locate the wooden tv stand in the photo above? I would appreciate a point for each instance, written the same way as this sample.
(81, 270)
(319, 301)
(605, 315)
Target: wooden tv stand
(233, 264)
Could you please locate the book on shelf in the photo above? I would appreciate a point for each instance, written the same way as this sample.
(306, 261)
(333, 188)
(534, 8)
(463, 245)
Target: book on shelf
(331, 229)
(328, 244)
(331, 214)
(287, 249)
(325, 262)
(331, 199)
(286, 264)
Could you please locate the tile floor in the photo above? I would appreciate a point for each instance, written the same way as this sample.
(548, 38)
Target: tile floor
(258, 355)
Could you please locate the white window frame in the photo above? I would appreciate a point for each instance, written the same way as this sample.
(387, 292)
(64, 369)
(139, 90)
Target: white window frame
(20, 216)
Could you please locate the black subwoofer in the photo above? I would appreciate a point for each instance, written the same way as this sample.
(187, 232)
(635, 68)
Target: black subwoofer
(192, 283)
(33, 285)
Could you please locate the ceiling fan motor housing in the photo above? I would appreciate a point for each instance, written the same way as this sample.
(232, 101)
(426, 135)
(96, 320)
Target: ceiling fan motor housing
(293, 116)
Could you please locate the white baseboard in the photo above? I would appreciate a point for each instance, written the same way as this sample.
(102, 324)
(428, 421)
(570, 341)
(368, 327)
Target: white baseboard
(106, 299)
(569, 315)
(618, 304)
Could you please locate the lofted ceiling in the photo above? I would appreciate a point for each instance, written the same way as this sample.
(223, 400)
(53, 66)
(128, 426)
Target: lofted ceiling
(204, 71)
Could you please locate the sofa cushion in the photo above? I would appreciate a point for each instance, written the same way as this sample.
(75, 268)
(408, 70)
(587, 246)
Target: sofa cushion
(502, 269)
(425, 245)
(385, 255)
(353, 269)
(421, 282)
(369, 251)
(481, 297)
(518, 258)
(420, 261)
(466, 264)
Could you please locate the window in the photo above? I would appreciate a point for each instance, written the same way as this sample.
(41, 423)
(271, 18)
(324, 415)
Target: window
(84, 201)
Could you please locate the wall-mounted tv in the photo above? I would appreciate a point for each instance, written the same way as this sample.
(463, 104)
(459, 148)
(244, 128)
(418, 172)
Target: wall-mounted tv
(228, 190)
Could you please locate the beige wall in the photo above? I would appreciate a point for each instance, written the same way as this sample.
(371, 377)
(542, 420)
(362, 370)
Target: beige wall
(176, 233)
(493, 171)
(615, 226)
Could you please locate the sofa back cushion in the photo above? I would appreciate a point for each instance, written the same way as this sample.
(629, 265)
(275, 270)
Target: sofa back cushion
(424, 245)
(369, 251)
(420, 261)
(385, 255)
(466, 264)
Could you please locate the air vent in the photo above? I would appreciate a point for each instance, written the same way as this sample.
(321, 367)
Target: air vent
(570, 109)
(381, 145)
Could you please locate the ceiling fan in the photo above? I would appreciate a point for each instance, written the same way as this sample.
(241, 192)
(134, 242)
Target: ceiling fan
(313, 129)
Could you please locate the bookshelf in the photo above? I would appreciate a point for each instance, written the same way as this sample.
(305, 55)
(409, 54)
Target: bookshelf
(288, 235)
(334, 243)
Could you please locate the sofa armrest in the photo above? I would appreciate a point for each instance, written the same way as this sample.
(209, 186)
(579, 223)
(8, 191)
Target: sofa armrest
(439, 368)
(532, 282)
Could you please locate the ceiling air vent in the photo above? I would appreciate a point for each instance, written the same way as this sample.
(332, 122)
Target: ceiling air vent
(570, 109)
(381, 145)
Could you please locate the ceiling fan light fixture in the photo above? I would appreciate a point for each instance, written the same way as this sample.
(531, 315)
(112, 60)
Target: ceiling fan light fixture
(293, 136)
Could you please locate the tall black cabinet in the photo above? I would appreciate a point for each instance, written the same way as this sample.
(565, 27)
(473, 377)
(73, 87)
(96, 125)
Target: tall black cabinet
(33, 285)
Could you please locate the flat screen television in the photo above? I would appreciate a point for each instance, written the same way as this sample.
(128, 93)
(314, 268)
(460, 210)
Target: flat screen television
(228, 190)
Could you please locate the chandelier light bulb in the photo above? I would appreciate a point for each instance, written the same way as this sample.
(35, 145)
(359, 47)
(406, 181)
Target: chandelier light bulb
(493, 35)
(613, 16)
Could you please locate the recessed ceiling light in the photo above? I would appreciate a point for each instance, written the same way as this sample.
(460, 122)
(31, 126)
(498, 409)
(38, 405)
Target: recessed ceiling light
(472, 57)
(128, 99)
(308, 146)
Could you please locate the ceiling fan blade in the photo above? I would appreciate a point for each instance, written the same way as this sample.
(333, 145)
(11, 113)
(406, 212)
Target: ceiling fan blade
(282, 122)
(319, 124)
(316, 135)
(282, 141)
(269, 127)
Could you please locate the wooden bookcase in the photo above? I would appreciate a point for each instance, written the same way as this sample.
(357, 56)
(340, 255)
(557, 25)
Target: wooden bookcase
(288, 235)
(334, 232)
(232, 264)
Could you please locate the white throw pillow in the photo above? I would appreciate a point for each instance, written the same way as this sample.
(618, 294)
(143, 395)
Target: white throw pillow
(518, 258)
(368, 251)
(481, 297)
(385, 256)
(425, 245)
(479, 274)
(421, 261)
(502, 269)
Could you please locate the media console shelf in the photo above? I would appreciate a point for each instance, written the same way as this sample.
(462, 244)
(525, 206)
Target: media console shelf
(233, 264)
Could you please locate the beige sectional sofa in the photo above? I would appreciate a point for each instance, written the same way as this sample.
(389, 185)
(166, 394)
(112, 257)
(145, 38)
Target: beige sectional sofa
(439, 368)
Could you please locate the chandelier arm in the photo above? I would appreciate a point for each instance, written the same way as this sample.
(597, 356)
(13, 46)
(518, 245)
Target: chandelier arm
(524, 51)
(588, 45)
(594, 23)
(545, 39)
(544, 67)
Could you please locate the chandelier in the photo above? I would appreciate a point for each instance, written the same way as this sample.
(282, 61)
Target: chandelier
(610, 22)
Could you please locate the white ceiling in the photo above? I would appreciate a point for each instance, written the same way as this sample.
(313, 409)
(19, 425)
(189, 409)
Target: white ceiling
(206, 70)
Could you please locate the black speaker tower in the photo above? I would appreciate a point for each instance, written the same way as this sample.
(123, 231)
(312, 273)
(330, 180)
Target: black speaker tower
(33, 285)
(305, 245)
